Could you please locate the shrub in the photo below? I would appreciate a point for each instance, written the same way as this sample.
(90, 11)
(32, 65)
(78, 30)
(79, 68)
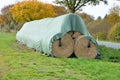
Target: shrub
(100, 35)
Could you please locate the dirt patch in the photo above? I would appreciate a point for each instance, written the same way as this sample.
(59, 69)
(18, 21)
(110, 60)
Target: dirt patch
(19, 46)
(115, 63)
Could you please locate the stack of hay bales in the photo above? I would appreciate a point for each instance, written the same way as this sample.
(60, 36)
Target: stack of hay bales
(60, 37)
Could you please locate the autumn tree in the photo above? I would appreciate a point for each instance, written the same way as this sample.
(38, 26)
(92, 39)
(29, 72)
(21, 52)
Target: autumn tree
(86, 17)
(59, 10)
(31, 10)
(1, 22)
(113, 18)
(115, 9)
(114, 33)
(8, 20)
(74, 5)
(99, 28)
(1, 19)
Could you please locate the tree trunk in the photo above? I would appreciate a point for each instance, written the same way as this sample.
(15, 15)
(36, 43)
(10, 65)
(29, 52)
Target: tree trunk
(1, 27)
(8, 25)
(72, 10)
(15, 27)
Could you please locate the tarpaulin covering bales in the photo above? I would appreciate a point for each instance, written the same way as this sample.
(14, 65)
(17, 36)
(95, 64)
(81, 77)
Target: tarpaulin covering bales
(57, 36)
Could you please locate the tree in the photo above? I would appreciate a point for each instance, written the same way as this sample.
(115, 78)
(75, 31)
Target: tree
(8, 20)
(1, 22)
(99, 28)
(105, 16)
(86, 17)
(115, 9)
(31, 10)
(6, 13)
(1, 19)
(114, 33)
(74, 5)
(99, 18)
(113, 18)
(59, 10)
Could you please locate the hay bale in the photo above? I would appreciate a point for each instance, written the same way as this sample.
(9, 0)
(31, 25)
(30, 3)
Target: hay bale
(74, 35)
(70, 33)
(85, 48)
(63, 47)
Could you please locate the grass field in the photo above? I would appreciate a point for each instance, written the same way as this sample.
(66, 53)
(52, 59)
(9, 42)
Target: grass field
(18, 62)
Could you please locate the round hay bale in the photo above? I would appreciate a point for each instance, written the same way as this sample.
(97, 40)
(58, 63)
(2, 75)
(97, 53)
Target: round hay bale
(63, 47)
(74, 35)
(85, 48)
(71, 33)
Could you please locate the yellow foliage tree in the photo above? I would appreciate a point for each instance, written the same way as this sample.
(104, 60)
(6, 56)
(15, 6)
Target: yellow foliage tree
(1, 19)
(113, 18)
(31, 10)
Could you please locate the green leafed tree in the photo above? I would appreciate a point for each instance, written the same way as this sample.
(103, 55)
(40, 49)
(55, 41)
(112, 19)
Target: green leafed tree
(74, 5)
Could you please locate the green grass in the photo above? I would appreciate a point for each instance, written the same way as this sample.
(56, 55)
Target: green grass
(109, 54)
(18, 62)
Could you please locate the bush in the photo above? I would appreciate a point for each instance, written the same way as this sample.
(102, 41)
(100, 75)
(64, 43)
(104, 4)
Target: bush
(100, 35)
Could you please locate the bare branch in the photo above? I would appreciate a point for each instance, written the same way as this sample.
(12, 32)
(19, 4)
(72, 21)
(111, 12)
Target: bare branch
(78, 7)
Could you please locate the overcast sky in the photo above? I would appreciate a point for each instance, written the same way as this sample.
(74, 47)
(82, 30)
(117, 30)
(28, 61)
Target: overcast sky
(99, 10)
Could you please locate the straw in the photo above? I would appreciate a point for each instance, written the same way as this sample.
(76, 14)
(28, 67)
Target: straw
(85, 48)
(63, 47)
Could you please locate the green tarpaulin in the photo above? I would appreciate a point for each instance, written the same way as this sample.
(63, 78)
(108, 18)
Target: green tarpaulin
(40, 34)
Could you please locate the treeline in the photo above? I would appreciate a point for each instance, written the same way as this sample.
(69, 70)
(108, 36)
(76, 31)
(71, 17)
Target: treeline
(107, 28)
(14, 16)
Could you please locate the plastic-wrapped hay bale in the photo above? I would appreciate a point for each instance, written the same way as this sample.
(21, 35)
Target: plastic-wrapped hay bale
(63, 47)
(42, 34)
(84, 47)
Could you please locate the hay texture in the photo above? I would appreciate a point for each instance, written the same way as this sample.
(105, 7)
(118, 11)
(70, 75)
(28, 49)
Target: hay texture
(85, 48)
(74, 35)
(63, 47)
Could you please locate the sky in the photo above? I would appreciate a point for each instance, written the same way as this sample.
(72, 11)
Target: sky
(99, 10)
